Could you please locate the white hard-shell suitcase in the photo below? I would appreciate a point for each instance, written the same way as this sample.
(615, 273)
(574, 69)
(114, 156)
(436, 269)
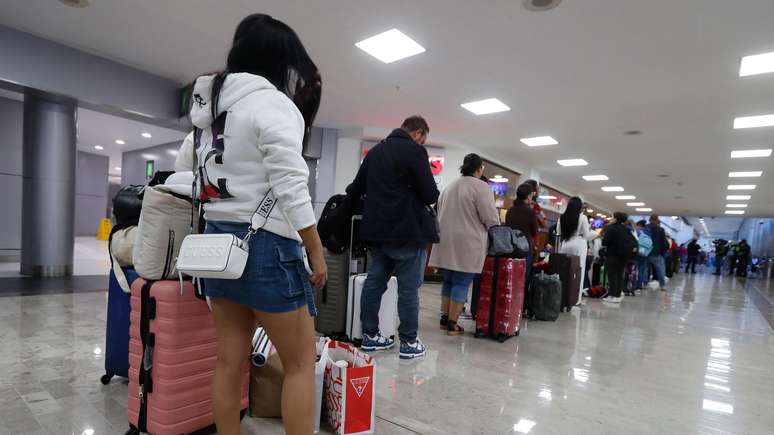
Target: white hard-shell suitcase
(388, 313)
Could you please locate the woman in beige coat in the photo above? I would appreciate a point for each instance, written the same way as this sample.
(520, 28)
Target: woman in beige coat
(466, 210)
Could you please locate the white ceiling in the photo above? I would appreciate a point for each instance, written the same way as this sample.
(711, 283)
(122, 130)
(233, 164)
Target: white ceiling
(584, 73)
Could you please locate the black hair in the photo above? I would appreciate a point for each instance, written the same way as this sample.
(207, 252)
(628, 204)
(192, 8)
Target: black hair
(621, 217)
(414, 123)
(642, 223)
(523, 191)
(269, 48)
(571, 217)
(471, 164)
(532, 183)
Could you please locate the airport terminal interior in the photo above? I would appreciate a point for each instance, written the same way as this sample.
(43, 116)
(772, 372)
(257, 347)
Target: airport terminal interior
(658, 109)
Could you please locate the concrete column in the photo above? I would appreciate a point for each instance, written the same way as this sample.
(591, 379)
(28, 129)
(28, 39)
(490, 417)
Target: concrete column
(48, 204)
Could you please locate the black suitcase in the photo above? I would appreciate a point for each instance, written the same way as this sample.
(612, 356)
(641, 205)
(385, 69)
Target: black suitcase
(331, 300)
(568, 269)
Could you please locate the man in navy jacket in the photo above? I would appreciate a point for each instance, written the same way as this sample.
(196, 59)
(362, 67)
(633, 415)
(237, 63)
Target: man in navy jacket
(399, 188)
(660, 248)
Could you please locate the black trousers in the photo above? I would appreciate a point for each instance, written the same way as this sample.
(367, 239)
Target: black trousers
(718, 264)
(615, 275)
(691, 263)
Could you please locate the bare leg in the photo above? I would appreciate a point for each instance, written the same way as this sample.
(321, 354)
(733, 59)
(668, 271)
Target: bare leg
(444, 305)
(293, 336)
(235, 326)
(455, 308)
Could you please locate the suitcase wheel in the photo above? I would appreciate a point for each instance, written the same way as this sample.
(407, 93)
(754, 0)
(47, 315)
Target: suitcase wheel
(518, 331)
(133, 431)
(105, 379)
(502, 337)
(478, 333)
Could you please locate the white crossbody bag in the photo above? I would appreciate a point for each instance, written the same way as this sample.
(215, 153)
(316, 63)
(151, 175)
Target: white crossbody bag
(222, 256)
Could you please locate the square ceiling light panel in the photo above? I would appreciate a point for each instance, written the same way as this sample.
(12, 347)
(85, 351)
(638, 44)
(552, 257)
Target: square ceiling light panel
(746, 154)
(390, 46)
(572, 162)
(745, 174)
(485, 107)
(757, 64)
(738, 197)
(644, 209)
(734, 211)
(741, 187)
(753, 121)
(612, 189)
(538, 141)
(736, 205)
(635, 204)
(625, 197)
(595, 177)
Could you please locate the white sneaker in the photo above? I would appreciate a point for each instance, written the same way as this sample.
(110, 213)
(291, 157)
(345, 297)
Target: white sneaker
(612, 300)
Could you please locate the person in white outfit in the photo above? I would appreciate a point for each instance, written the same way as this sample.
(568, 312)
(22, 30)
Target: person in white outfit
(574, 234)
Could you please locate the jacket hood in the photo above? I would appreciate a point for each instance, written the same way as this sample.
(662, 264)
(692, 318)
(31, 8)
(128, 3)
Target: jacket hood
(236, 87)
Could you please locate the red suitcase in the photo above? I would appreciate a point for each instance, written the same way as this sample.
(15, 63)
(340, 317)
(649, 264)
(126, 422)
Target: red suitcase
(172, 354)
(501, 298)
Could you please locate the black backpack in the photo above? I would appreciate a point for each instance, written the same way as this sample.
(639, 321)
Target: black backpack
(335, 225)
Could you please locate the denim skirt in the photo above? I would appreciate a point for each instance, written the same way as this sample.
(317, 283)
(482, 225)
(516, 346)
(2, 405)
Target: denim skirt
(275, 279)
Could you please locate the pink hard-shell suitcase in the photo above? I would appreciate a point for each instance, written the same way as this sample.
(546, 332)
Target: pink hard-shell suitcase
(173, 332)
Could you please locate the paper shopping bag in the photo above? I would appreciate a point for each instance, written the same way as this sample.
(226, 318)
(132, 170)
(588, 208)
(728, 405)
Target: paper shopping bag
(350, 399)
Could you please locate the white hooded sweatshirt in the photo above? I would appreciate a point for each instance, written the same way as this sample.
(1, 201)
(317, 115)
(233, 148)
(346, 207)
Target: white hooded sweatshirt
(261, 146)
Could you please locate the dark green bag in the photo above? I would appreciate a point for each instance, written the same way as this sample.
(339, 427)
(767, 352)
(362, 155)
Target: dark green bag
(545, 297)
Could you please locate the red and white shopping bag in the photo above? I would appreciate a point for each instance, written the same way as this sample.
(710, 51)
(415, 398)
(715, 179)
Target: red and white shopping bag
(350, 398)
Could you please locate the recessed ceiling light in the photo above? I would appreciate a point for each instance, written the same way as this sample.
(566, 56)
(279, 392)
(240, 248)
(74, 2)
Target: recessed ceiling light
(547, 197)
(734, 211)
(538, 141)
(738, 197)
(590, 210)
(736, 205)
(572, 162)
(753, 121)
(757, 64)
(498, 180)
(613, 189)
(595, 177)
(644, 209)
(743, 154)
(741, 187)
(390, 46)
(747, 174)
(120, 142)
(117, 168)
(600, 215)
(98, 147)
(485, 107)
(625, 197)
(147, 135)
(635, 204)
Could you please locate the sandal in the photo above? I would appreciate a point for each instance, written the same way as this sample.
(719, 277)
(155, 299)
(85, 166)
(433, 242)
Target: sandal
(454, 329)
(444, 321)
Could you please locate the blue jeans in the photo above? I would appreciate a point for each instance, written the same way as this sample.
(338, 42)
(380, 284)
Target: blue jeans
(407, 263)
(644, 271)
(659, 268)
(456, 285)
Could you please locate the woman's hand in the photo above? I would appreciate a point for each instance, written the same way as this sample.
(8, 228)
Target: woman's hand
(319, 274)
(311, 238)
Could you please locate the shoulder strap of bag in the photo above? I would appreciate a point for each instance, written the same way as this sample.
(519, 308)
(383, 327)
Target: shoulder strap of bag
(261, 214)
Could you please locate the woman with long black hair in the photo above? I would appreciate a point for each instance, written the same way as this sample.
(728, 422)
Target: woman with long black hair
(574, 234)
(252, 120)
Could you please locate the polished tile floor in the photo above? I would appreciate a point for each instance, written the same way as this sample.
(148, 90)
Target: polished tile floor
(697, 359)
